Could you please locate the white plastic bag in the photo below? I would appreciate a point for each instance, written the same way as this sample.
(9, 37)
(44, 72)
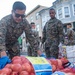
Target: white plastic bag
(62, 51)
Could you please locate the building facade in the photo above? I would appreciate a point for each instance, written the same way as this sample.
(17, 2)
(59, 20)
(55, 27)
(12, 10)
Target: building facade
(65, 10)
(33, 16)
(44, 14)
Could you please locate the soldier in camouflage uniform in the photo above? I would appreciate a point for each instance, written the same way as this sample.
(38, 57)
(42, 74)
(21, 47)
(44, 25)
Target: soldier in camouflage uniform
(11, 27)
(52, 35)
(70, 35)
(36, 36)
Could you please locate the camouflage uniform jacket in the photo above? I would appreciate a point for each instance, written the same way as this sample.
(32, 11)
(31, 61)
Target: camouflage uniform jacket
(10, 31)
(53, 32)
(71, 37)
(35, 35)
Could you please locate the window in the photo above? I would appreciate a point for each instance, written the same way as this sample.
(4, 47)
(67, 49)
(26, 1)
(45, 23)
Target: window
(37, 16)
(31, 19)
(74, 26)
(66, 12)
(37, 28)
(60, 13)
(73, 9)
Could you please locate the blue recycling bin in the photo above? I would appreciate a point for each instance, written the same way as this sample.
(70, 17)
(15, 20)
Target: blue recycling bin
(41, 65)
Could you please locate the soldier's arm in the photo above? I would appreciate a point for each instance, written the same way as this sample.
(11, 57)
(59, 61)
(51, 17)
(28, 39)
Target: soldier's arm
(68, 32)
(2, 38)
(33, 42)
(44, 34)
(60, 32)
(37, 36)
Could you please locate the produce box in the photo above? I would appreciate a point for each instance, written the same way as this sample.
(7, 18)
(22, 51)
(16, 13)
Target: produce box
(41, 65)
(70, 50)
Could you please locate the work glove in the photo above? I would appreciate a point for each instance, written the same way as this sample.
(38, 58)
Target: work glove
(3, 61)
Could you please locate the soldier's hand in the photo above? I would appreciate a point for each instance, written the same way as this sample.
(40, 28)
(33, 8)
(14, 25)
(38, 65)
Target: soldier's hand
(3, 53)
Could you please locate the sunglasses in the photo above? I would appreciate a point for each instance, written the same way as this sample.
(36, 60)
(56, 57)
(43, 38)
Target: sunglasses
(19, 15)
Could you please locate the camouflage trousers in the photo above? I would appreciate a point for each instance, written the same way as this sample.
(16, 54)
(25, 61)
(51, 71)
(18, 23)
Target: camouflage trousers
(31, 52)
(52, 51)
(13, 50)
